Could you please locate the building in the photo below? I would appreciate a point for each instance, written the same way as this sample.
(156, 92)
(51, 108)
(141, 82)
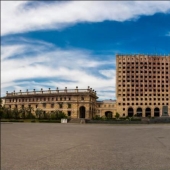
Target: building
(143, 85)
(76, 103)
(106, 108)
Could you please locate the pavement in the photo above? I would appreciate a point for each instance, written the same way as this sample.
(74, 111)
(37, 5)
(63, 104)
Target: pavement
(54, 146)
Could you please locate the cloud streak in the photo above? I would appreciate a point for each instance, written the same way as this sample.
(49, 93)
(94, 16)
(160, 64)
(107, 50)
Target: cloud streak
(55, 67)
(18, 17)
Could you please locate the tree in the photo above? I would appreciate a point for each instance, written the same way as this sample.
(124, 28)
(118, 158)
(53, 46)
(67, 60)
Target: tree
(22, 112)
(16, 113)
(29, 114)
(59, 114)
(39, 113)
(117, 115)
(2, 115)
(7, 113)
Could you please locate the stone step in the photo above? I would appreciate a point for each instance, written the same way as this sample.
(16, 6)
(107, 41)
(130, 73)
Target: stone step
(77, 121)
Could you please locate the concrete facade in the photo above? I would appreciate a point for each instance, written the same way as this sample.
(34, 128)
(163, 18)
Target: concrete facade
(143, 85)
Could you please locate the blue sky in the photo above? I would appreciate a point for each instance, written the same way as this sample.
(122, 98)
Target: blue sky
(67, 44)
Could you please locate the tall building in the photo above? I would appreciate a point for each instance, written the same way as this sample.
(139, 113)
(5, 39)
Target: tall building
(143, 85)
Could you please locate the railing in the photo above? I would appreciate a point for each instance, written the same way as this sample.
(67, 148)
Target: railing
(52, 92)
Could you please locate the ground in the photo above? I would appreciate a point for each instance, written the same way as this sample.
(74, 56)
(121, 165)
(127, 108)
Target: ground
(41, 146)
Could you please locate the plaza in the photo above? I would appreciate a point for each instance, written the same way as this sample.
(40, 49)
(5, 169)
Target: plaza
(41, 146)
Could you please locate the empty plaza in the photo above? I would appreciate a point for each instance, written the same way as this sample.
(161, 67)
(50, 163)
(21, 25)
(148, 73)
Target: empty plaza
(41, 146)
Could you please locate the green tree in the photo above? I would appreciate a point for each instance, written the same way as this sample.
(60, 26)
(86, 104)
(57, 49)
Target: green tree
(22, 112)
(59, 114)
(29, 114)
(16, 113)
(2, 114)
(117, 115)
(39, 113)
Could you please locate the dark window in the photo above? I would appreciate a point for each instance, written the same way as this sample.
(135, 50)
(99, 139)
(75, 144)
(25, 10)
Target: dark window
(69, 105)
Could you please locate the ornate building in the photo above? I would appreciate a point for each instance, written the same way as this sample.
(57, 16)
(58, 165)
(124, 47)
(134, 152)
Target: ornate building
(76, 103)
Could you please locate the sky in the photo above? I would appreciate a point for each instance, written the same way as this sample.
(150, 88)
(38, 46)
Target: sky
(50, 44)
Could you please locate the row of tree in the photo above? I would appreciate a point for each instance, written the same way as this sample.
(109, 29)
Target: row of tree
(27, 113)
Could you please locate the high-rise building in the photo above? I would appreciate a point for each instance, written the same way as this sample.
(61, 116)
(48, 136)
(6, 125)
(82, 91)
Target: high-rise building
(143, 85)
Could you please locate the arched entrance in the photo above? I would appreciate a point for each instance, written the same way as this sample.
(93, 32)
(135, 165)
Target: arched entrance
(156, 112)
(147, 112)
(108, 114)
(130, 112)
(82, 112)
(139, 112)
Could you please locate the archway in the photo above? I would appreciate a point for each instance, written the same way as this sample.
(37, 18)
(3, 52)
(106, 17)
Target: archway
(147, 112)
(108, 114)
(139, 112)
(130, 112)
(82, 112)
(156, 112)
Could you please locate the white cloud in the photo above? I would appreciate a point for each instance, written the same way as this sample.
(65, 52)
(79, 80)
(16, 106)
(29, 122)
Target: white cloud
(17, 17)
(62, 67)
(168, 34)
(108, 73)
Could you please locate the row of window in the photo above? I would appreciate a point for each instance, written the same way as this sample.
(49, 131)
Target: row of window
(145, 77)
(143, 63)
(106, 105)
(40, 99)
(151, 85)
(143, 104)
(143, 67)
(155, 58)
(141, 94)
(144, 72)
(146, 99)
(139, 90)
(44, 105)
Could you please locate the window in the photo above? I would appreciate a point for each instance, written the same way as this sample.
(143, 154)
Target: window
(60, 105)
(52, 105)
(69, 113)
(69, 105)
(82, 98)
(44, 105)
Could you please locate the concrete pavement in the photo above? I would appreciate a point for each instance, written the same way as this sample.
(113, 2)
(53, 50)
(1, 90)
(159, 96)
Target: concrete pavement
(54, 146)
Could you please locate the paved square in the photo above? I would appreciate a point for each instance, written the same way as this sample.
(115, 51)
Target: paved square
(40, 146)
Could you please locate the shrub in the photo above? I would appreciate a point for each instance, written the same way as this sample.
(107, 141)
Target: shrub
(97, 117)
(117, 115)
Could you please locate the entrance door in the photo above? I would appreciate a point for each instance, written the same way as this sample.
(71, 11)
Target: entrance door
(147, 112)
(130, 112)
(82, 112)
